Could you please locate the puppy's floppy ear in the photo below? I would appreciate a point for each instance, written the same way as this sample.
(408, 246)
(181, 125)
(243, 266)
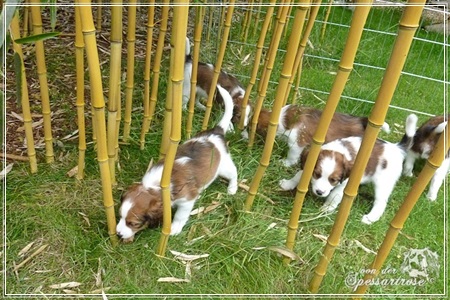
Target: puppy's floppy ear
(347, 168)
(154, 214)
(303, 157)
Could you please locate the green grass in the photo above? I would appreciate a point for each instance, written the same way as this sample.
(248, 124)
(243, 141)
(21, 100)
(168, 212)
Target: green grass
(48, 208)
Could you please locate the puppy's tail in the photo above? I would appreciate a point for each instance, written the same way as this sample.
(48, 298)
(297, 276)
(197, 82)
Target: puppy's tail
(386, 128)
(225, 122)
(410, 130)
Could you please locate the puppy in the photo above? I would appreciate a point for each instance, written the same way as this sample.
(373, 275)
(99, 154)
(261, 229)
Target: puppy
(205, 73)
(198, 162)
(423, 143)
(298, 124)
(336, 160)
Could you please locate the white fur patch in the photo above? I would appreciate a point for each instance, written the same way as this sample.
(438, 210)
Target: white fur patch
(152, 179)
(183, 160)
(122, 229)
(321, 186)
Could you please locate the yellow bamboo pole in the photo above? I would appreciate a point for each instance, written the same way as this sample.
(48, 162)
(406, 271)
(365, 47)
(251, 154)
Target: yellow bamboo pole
(99, 15)
(180, 17)
(218, 64)
(301, 49)
(407, 29)
(247, 19)
(43, 83)
(297, 83)
(148, 56)
(257, 17)
(195, 58)
(273, 29)
(25, 102)
(114, 85)
(264, 81)
(345, 67)
(327, 15)
(158, 58)
(222, 17)
(131, 41)
(98, 103)
(287, 21)
(258, 55)
(433, 163)
(79, 56)
(294, 39)
(210, 22)
(168, 108)
(26, 19)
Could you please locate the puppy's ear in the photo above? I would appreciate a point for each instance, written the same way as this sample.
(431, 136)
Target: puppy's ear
(154, 214)
(347, 168)
(303, 157)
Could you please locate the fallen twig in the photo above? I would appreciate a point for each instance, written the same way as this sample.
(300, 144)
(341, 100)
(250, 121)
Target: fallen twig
(30, 257)
(247, 188)
(14, 157)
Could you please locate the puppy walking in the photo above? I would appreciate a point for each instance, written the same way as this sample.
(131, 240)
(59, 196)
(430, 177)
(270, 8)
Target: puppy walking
(198, 162)
(336, 160)
(205, 73)
(299, 123)
(425, 139)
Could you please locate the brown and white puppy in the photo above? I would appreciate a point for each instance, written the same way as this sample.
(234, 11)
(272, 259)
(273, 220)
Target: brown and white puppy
(336, 160)
(298, 125)
(198, 162)
(205, 73)
(423, 143)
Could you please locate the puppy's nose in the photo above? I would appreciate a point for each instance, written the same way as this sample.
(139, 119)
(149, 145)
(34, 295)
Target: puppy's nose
(119, 235)
(319, 192)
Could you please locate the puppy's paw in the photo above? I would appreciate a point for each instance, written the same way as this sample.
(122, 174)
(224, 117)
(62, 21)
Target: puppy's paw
(232, 189)
(367, 220)
(128, 240)
(408, 173)
(287, 185)
(431, 196)
(244, 134)
(287, 163)
(176, 228)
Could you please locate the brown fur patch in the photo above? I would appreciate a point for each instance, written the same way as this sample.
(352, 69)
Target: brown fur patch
(204, 78)
(147, 208)
(425, 137)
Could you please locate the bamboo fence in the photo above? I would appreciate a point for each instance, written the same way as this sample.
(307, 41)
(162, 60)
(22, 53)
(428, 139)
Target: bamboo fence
(408, 25)
(107, 131)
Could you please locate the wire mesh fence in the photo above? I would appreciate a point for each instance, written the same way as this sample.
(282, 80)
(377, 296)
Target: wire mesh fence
(424, 75)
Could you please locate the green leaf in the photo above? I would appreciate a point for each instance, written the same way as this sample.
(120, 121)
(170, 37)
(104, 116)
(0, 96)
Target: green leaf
(18, 72)
(6, 44)
(37, 37)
